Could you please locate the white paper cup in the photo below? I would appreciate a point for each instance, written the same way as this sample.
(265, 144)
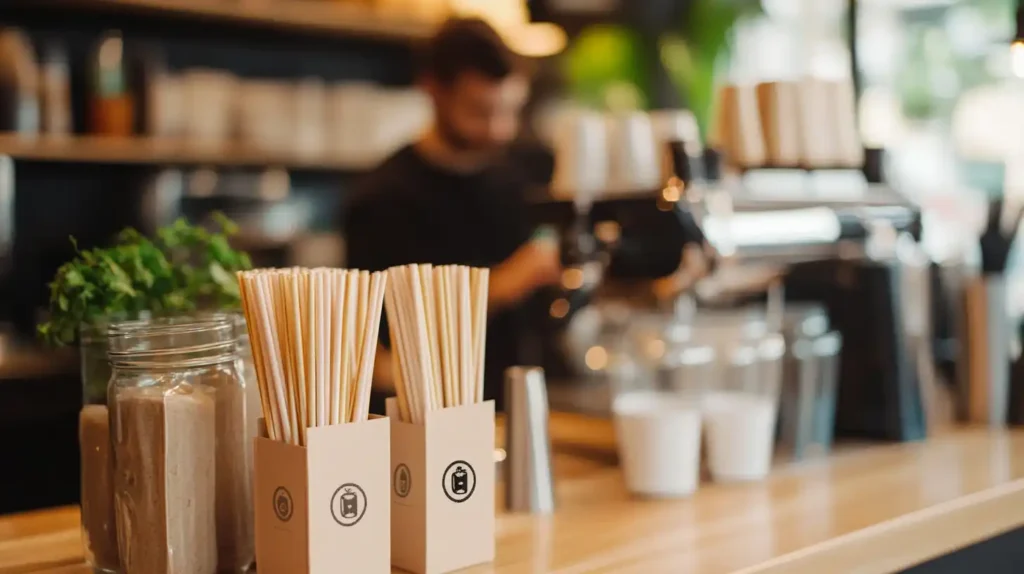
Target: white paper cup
(740, 435)
(581, 157)
(210, 106)
(659, 443)
(635, 164)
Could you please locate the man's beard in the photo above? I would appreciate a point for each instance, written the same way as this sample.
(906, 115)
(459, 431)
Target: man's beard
(453, 139)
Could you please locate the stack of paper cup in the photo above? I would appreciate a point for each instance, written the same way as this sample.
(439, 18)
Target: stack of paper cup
(659, 443)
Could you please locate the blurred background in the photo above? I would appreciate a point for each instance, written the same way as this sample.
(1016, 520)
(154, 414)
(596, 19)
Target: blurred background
(840, 155)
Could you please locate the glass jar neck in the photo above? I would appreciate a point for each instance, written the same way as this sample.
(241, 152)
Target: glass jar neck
(187, 358)
(172, 343)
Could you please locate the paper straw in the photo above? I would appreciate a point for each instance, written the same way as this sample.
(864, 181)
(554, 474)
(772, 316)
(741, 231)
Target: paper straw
(370, 335)
(480, 337)
(397, 323)
(441, 335)
(350, 357)
(466, 366)
(337, 346)
(285, 412)
(307, 327)
(437, 320)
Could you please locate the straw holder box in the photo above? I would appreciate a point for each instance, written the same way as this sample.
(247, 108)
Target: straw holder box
(442, 491)
(324, 508)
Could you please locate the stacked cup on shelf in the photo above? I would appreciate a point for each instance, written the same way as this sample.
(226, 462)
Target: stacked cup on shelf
(309, 120)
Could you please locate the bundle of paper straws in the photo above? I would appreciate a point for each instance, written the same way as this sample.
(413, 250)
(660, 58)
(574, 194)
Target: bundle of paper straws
(314, 336)
(437, 319)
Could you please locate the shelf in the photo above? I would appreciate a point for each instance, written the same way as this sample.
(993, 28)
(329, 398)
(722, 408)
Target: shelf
(34, 362)
(155, 151)
(332, 16)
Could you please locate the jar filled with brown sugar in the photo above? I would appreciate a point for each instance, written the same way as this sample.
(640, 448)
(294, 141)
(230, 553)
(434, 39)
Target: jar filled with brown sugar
(99, 534)
(178, 417)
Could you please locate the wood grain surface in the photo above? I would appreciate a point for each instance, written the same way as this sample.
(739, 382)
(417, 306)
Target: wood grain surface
(869, 510)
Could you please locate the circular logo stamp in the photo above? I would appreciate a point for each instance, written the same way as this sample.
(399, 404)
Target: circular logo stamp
(283, 507)
(459, 481)
(402, 481)
(348, 504)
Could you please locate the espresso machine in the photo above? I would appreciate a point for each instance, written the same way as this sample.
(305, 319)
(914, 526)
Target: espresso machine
(866, 269)
(830, 239)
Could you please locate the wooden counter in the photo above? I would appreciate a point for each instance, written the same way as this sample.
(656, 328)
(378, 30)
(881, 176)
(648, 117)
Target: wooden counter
(870, 510)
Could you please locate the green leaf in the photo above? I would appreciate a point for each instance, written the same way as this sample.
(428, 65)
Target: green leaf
(693, 55)
(606, 58)
(186, 268)
(129, 235)
(226, 281)
(73, 278)
(227, 226)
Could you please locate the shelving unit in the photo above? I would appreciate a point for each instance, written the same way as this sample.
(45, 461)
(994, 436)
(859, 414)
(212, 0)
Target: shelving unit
(91, 186)
(138, 150)
(328, 16)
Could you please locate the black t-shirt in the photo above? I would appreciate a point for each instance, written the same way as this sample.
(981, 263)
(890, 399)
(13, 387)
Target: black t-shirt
(411, 211)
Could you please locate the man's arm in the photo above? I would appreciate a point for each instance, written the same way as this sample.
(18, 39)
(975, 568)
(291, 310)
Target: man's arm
(534, 265)
(694, 264)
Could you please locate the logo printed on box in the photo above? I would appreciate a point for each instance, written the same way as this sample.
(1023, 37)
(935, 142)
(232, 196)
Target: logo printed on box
(282, 503)
(459, 481)
(348, 504)
(402, 481)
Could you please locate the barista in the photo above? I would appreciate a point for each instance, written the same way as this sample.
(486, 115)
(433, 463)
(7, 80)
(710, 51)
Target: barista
(454, 197)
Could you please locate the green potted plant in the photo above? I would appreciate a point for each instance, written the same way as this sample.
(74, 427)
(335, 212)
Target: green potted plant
(184, 269)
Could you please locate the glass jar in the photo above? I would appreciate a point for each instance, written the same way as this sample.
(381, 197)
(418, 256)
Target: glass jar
(742, 411)
(92, 350)
(676, 361)
(658, 415)
(253, 405)
(613, 361)
(254, 408)
(99, 531)
(95, 368)
(687, 367)
(182, 494)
